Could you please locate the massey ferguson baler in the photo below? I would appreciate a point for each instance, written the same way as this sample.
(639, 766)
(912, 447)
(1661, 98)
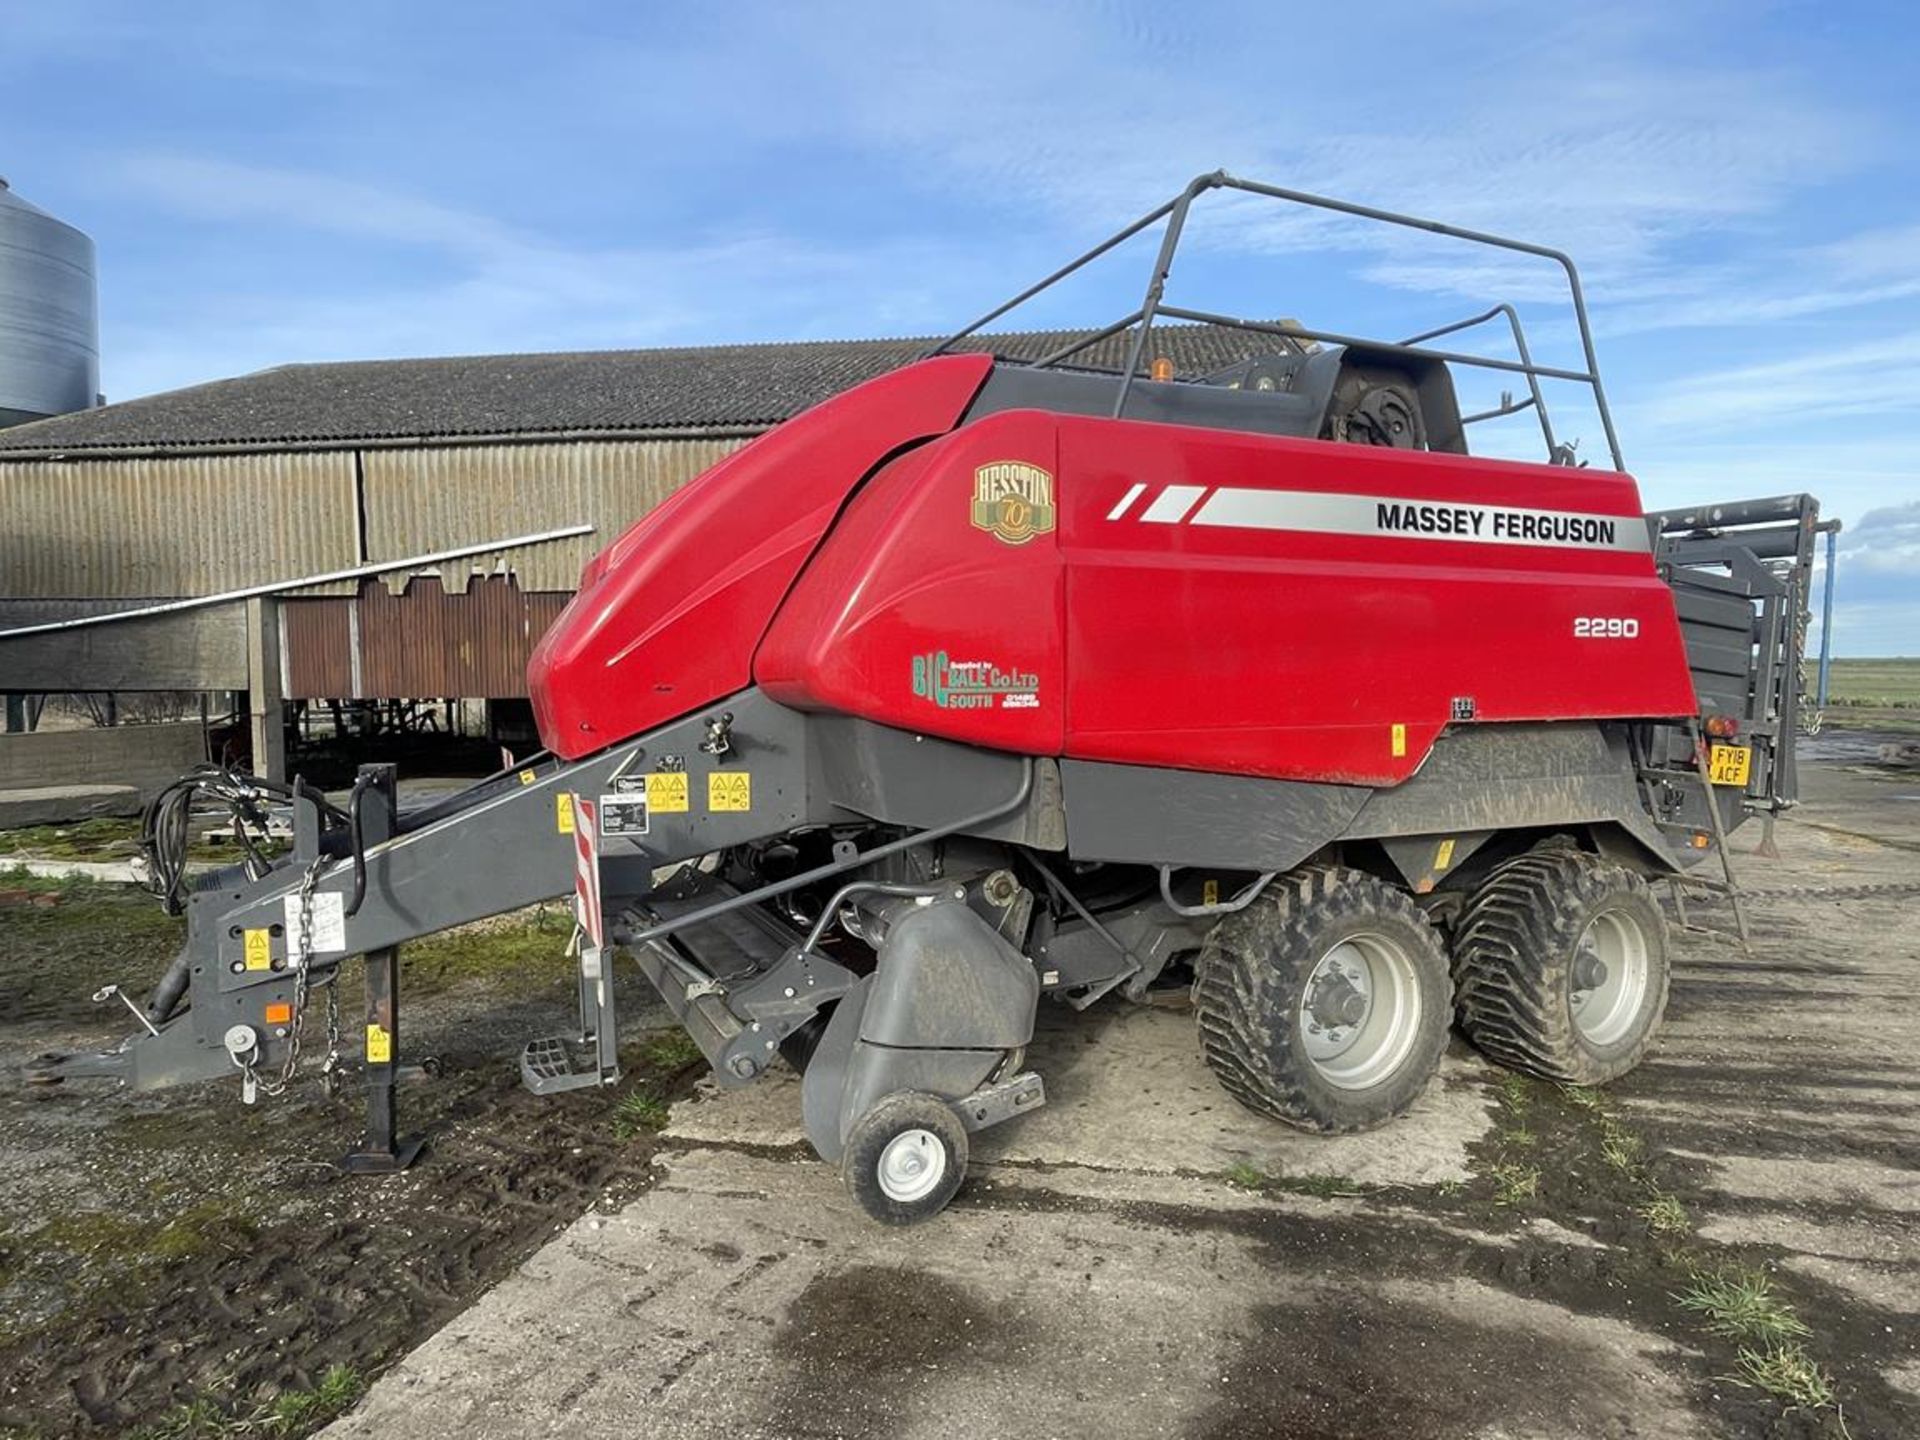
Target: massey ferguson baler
(986, 682)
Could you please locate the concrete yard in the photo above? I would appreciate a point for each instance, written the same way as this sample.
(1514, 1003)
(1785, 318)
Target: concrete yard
(1143, 1258)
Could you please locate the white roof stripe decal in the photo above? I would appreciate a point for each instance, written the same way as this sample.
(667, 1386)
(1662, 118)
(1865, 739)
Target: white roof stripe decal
(1126, 500)
(1171, 505)
(1403, 518)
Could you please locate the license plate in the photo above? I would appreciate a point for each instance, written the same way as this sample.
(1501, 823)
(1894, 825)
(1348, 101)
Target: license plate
(1730, 764)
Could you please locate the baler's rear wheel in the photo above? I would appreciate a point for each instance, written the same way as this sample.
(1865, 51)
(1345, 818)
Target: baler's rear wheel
(1326, 1003)
(905, 1158)
(1560, 967)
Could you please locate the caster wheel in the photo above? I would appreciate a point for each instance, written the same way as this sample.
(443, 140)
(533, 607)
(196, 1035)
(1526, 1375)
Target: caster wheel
(905, 1158)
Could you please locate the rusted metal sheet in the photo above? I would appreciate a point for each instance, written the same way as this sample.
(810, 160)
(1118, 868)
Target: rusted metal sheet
(419, 500)
(423, 644)
(316, 648)
(106, 529)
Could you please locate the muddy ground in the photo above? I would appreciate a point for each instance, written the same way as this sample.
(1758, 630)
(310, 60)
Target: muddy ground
(181, 1264)
(1140, 1258)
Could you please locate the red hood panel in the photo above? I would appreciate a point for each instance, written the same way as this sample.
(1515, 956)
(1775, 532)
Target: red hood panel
(667, 617)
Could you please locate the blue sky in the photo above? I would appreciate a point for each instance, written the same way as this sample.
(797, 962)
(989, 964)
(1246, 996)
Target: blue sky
(1738, 181)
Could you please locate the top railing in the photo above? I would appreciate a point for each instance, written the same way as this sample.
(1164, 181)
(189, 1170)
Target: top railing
(1174, 213)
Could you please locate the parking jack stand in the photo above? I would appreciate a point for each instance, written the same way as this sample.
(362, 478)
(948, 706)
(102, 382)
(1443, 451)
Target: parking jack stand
(379, 1152)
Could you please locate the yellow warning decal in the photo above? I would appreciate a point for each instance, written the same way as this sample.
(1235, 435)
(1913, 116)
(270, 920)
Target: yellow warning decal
(379, 1044)
(527, 777)
(730, 790)
(259, 953)
(1399, 740)
(1210, 891)
(667, 793)
(563, 813)
(1443, 857)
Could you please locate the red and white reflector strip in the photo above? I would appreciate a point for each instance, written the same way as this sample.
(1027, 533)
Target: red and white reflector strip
(1321, 513)
(586, 871)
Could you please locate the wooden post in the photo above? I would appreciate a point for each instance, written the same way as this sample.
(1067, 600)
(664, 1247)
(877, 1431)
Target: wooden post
(265, 717)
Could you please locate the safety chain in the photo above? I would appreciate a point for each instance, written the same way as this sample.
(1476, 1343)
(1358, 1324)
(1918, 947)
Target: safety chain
(302, 986)
(330, 1067)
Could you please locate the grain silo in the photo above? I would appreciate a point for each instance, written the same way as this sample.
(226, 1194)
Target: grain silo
(49, 315)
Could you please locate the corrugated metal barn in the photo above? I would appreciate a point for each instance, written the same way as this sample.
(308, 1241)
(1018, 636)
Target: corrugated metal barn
(313, 468)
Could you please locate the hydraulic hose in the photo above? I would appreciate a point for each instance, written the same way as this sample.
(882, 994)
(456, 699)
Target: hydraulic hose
(166, 995)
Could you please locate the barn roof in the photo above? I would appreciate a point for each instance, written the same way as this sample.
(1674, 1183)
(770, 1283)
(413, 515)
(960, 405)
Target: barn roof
(527, 397)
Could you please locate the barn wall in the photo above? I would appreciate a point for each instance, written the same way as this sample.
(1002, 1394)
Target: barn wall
(107, 529)
(197, 650)
(422, 500)
(76, 537)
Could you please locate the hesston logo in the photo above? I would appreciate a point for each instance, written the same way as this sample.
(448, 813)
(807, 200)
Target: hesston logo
(973, 684)
(1013, 500)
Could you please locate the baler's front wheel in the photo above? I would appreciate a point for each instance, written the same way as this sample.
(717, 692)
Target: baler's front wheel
(905, 1158)
(1561, 967)
(1327, 1005)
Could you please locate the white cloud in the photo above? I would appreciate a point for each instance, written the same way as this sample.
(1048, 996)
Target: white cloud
(1878, 377)
(492, 287)
(1609, 133)
(1881, 552)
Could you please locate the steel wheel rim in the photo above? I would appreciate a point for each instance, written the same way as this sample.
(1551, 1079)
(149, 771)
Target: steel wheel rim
(912, 1166)
(1605, 1011)
(1372, 1037)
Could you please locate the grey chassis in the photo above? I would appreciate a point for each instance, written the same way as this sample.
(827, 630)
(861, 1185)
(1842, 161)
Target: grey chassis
(964, 870)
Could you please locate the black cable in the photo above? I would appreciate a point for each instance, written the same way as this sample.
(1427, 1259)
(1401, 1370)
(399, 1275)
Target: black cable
(166, 823)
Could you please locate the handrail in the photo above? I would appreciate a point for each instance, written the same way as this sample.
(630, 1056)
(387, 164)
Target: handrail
(1174, 213)
(1537, 402)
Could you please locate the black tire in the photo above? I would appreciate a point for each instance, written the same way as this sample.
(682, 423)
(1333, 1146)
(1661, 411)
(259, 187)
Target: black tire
(1518, 963)
(901, 1199)
(1251, 992)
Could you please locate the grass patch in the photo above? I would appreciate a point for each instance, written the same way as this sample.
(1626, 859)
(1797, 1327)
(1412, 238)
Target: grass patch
(641, 1112)
(1516, 1093)
(1517, 1136)
(1583, 1097)
(1246, 1176)
(1515, 1179)
(1326, 1187)
(58, 954)
(1515, 1184)
(100, 1235)
(1622, 1151)
(526, 949)
(1557, 1146)
(199, 1419)
(289, 1414)
(1890, 684)
(298, 1411)
(670, 1050)
(101, 838)
(65, 887)
(1666, 1217)
(1787, 1373)
(107, 838)
(1741, 1305)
